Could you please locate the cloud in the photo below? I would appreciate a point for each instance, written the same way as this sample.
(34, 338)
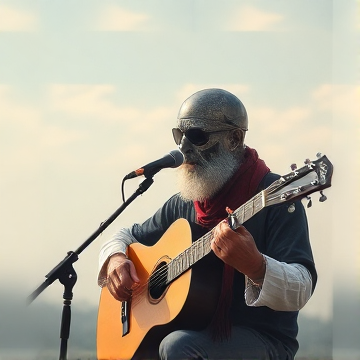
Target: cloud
(115, 18)
(12, 111)
(282, 121)
(285, 127)
(98, 101)
(26, 133)
(338, 98)
(160, 116)
(249, 18)
(13, 19)
(340, 104)
(87, 100)
(99, 105)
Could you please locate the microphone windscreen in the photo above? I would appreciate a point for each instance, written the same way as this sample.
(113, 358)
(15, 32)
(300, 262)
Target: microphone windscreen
(178, 157)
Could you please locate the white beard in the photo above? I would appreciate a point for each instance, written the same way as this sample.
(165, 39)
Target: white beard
(204, 181)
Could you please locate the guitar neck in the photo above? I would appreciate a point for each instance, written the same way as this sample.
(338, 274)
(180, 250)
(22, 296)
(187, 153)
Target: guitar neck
(201, 247)
(249, 209)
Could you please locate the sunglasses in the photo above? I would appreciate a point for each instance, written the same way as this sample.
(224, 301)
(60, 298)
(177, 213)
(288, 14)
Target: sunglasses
(196, 136)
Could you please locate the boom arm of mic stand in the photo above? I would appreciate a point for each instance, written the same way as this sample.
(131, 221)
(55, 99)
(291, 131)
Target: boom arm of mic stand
(67, 276)
(73, 256)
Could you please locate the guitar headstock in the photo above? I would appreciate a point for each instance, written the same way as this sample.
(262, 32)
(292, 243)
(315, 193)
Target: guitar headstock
(314, 176)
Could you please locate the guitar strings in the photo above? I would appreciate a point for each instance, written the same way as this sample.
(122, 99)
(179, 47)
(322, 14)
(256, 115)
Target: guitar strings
(182, 262)
(159, 278)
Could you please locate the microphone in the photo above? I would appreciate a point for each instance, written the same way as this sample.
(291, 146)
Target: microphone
(174, 159)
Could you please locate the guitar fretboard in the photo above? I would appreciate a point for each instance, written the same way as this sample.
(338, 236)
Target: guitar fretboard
(201, 247)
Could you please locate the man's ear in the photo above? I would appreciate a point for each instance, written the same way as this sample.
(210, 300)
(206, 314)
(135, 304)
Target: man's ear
(235, 139)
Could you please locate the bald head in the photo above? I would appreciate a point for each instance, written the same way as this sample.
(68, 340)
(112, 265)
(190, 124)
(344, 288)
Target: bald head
(213, 108)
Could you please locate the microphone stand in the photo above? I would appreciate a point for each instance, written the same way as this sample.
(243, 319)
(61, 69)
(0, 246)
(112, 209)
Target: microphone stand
(67, 276)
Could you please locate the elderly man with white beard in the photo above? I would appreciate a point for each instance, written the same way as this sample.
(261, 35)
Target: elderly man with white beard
(265, 267)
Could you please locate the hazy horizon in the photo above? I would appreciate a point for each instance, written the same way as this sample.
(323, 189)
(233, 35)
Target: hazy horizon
(315, 335)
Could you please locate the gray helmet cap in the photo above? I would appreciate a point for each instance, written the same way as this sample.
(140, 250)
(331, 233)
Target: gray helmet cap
(214, 107)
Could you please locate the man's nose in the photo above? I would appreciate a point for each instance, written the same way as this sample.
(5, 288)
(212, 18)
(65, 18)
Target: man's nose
(185, 145)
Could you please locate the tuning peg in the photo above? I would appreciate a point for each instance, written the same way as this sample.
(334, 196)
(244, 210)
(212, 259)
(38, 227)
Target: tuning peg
(322, 197)
(309, 164)
(319, 155)
(309, 202)
(293, 167)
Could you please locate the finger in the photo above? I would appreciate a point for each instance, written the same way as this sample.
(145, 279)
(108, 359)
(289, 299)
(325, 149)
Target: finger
(218, 234)
(112, 291)
(241, 230)
(117, 290)
(224, 239)
(128, 275)
(133, 273)
(215, 248)
(116, 280)
(223, 231)
(115, 262)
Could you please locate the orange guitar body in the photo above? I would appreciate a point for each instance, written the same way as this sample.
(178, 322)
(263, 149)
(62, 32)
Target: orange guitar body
(147, 315)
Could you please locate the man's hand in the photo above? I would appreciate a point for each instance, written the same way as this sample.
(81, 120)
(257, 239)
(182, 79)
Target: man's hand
(121, 276)
(238, 249)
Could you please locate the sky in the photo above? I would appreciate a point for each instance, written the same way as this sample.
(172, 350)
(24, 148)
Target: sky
(89, 91)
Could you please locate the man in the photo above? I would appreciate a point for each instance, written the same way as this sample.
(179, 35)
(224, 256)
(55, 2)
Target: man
(267, 266)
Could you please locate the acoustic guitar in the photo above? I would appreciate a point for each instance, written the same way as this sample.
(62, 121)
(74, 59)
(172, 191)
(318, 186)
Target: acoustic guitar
(169, 294)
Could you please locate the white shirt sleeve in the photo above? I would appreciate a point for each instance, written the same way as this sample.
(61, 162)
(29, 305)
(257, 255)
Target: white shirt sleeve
(286, 287)
(118, 243)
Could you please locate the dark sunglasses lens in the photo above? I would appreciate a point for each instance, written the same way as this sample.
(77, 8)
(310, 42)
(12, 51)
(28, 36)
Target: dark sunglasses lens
(197, 136)
(177, 134)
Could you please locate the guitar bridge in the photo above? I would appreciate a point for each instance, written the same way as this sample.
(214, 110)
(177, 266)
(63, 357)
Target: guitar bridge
(125, 317)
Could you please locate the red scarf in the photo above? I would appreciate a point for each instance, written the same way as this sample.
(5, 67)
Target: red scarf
(239, 189)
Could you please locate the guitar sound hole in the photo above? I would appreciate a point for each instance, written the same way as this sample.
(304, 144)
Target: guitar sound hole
(157, 283)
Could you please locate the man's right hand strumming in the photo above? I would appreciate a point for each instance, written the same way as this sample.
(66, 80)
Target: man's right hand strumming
(121, 277)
